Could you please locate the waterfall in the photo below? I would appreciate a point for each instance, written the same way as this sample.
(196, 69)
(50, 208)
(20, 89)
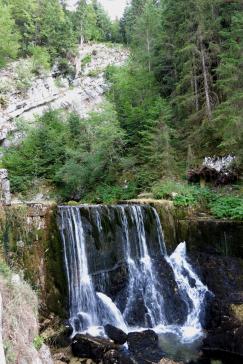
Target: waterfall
(106, 246)
(86, 311)
(191, 288)
(141, 273)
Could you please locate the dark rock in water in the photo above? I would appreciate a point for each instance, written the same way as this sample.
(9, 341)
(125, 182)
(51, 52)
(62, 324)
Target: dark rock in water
(229, 341)
(61, 339)
(116, 357)
(115, 334)
(85, 346)
(144, 347)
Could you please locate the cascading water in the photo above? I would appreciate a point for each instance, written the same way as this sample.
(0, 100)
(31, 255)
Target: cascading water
(141, 273)
(100, 240)
(88, 310)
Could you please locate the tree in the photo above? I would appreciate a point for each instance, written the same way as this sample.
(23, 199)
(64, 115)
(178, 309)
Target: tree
(9, 40)
(25, 14)
(103, 21)
(85, 21)
(95, 158)
(144, 34)
(56, 31)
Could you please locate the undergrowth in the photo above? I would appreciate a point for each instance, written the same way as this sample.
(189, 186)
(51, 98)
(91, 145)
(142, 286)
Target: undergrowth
(217, 202)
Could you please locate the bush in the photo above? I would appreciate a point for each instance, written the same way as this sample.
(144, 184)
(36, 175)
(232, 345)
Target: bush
(165, 189)
(41, 59)
(24, 75)
(38, 342)
(86, 60)
(227, 207)
(112, 194)
(66, 69)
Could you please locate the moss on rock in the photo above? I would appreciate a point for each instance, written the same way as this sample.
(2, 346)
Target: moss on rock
(31, 243)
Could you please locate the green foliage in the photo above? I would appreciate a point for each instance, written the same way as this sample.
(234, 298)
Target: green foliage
(9, 38)
(165, 189)
(75, 154)
(112, 193)
(24, 74)
(227, 207)
(4, 269)
(38, 342)
(86, 60)
(220, 205)
(56, 30)
(26, 15)
(40, 155)
(40, 59)
(94, 158)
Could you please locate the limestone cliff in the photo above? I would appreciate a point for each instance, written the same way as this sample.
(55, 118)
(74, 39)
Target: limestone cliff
(24, 95)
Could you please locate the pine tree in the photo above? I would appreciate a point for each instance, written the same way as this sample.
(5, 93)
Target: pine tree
(9, 38)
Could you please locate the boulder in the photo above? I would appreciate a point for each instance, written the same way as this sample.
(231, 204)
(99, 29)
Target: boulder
(144, 347)
(86, 346)
(169, 361)
(60, 339)
(115, 334)
(116, 357)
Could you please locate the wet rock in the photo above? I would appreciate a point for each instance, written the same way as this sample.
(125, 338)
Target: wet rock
(169, 361)
(85, 346)
(62, 357)
(116, 357)
(61, 339)
(144, 347)
(115, 334)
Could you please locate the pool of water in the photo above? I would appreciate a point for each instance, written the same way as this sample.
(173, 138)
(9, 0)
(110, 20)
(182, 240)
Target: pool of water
(191, 353)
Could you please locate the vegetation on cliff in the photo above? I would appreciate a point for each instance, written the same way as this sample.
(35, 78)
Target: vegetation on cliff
(20, 318)
(177, 100)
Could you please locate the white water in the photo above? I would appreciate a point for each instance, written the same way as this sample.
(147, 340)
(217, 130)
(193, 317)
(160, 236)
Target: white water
(90, 310)
(114, 315)
(85, 307)
(141, 273)
(193, 293)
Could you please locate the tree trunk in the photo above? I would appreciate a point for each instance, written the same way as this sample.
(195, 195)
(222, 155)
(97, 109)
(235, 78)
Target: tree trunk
(205, 77)
(148, 50)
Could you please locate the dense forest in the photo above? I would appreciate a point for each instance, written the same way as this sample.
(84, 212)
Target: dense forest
(178, 99)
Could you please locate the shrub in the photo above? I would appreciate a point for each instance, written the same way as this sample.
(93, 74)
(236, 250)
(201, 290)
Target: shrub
(227, 207)
(38, 342)
(165, 189)
(41, 59)
(112, 194)
(66, 69)
(86, 60)
(24, 75)
(185, 200)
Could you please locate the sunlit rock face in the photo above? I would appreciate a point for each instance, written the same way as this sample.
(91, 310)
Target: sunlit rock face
(82, 91)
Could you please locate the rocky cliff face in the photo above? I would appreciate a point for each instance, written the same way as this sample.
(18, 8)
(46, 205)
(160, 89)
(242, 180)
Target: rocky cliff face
(23, 96)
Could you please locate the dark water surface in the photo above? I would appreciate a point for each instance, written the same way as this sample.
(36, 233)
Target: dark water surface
(191, 353)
